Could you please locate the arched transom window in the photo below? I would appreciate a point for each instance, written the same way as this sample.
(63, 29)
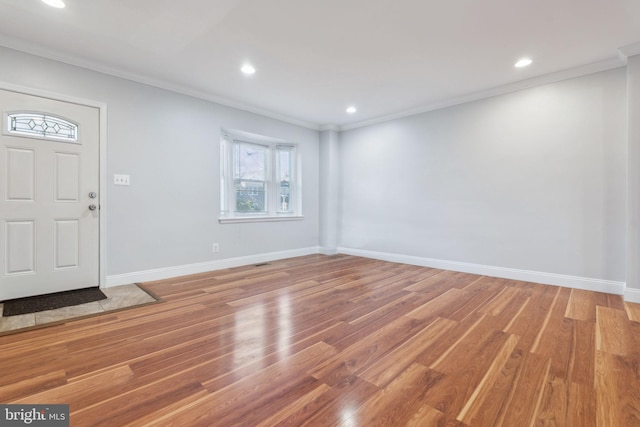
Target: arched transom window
(41, 125)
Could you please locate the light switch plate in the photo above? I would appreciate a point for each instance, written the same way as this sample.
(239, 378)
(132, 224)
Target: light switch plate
(121, 179)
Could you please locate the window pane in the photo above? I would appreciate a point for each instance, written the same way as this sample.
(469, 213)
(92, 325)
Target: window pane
(250, 196)
(250, 161)
(225, 146)
(284, 177)
(250, 171)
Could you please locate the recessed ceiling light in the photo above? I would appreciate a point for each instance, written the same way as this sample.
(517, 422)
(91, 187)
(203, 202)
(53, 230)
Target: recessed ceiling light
(351, 110)
(59, 4)
(524, 62)
(248, 69)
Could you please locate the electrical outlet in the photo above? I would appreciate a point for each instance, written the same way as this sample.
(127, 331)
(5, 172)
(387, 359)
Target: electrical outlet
(216, 248)
(121, 179)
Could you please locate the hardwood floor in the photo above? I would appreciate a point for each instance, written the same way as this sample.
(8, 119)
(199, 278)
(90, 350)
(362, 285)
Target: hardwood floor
(339, 341)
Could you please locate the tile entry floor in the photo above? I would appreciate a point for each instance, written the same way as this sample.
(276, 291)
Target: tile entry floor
(117, 298)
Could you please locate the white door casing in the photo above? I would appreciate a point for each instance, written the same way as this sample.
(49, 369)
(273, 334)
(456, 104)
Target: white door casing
(49, 238)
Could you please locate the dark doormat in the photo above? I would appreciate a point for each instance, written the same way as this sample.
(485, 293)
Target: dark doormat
(51, 301)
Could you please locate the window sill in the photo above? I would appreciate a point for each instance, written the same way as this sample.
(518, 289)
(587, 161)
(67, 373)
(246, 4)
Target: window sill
(238, 219)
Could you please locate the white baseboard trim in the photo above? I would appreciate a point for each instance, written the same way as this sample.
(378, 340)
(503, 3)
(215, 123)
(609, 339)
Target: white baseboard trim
(585, 283)
(598, 285)
(327, 251)
(201, 267)
(632, 295)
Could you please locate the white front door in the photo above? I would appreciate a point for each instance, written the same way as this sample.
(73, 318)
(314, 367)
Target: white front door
(49, 180)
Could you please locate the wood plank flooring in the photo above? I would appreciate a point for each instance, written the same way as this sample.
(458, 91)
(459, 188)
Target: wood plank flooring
(339, 341)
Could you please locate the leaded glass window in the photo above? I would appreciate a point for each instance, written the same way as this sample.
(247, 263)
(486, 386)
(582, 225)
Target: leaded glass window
(42, 126)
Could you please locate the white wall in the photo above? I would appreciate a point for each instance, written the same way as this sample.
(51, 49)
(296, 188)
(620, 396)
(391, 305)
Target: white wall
(533, 180)
(329, 190)
(633, 186)
(169, 144)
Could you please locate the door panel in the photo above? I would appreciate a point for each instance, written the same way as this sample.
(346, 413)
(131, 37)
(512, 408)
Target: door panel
(21, 247)
(67, 179)
(20, 174)
(49, 164)
(67, 243)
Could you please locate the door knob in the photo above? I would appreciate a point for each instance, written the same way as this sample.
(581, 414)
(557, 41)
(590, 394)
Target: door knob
(92, 207)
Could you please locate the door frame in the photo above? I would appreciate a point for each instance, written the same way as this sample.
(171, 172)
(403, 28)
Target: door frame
(102, 162)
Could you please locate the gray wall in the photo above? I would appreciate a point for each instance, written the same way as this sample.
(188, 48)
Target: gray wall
(169, 144)
(329, 190)
(532, 180)
(633, 188)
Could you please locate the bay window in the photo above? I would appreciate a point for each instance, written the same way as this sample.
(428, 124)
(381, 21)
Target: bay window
(259, 179)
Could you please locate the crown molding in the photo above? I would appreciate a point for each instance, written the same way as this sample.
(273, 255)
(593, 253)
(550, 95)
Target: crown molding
(625, 52)
(329, 127)
(619, 61)
(570, 73)
(54, 55)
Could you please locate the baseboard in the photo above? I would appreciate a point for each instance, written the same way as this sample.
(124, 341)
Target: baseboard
(327, 251)
(598, 285)
(201, 267)
(632, 295)
(585, 283)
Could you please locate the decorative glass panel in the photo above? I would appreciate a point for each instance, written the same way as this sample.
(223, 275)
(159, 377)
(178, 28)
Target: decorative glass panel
(43, 126)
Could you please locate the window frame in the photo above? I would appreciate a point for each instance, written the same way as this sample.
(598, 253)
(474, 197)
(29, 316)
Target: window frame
(273, 207)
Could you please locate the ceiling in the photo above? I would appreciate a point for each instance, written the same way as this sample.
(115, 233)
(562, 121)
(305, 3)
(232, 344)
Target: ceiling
(316, 58)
